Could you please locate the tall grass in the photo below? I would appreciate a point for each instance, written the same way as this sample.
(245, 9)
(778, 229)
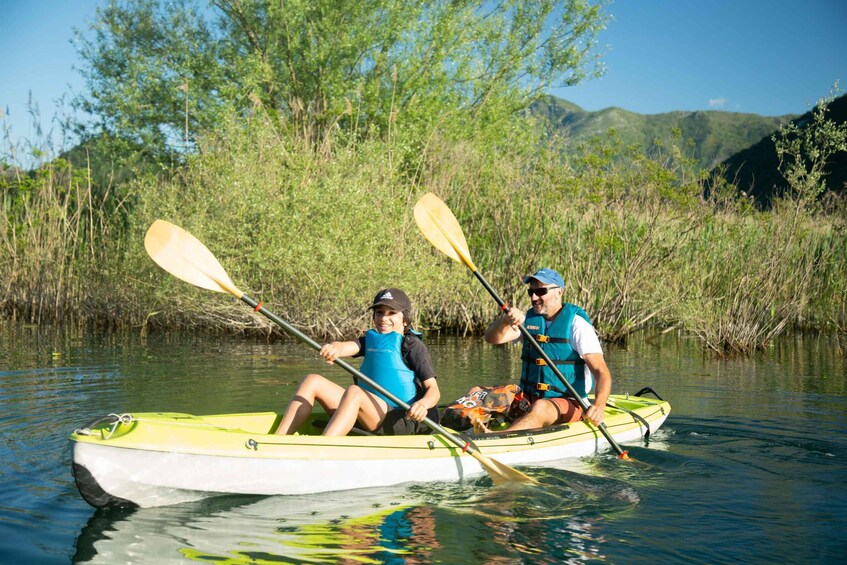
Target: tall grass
(315, 228)
(751, 279)
(51, 237)
(57, 230)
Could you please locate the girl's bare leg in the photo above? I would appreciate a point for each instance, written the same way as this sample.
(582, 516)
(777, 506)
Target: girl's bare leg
(313, 388)
(359, 405)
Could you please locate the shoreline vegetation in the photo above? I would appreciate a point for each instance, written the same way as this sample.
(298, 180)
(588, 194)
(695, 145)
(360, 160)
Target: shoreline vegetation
(313, 226)
(294, 140)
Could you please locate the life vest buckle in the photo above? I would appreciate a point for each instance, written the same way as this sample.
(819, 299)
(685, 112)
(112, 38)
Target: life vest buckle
(540, 362)
(542, 386)
(541, 338)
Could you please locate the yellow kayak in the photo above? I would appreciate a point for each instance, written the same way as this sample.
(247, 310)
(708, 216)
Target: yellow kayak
(155, 459)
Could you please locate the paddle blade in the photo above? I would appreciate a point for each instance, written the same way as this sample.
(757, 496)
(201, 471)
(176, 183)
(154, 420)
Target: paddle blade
(501, 473)
(440, 227)
(182, 255)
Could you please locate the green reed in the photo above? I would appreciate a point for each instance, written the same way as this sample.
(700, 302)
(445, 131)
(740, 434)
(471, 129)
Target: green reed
(315, 228)
(50, 238)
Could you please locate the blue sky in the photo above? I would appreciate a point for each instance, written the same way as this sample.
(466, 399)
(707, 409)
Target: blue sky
(767, 57)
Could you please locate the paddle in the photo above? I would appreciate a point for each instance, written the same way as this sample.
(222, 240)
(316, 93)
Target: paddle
(185, 257)
(441, 228)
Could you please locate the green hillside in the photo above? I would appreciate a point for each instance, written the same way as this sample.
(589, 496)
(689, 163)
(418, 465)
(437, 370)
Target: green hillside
(755, 169)
(713, 136)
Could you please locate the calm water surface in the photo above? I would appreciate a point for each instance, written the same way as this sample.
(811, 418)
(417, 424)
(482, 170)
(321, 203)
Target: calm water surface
(750, 467)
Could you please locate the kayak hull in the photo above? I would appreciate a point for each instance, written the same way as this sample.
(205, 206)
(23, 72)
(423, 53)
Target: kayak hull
(156, 459)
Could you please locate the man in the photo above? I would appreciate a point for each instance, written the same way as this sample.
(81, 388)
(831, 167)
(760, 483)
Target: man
(566, 335)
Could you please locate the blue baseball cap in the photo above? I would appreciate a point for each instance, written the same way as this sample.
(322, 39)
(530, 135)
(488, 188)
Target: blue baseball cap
(546, 276)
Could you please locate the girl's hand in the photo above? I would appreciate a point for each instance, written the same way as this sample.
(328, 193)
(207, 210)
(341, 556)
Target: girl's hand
(417, 412)
(329, 351)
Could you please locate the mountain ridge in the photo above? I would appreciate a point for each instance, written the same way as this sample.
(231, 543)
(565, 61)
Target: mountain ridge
(755, 169)
(717, 135)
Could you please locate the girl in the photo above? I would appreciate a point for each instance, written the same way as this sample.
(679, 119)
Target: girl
(395, 357)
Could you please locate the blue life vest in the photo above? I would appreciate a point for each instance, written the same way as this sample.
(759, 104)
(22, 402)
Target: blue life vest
(384, 364)
(555, 340)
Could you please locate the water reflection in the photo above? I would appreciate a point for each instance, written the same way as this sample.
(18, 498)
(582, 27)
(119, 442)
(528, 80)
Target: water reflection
(449, 522)
(242, 529)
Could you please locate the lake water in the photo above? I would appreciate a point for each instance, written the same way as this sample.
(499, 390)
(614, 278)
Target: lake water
(750, 467)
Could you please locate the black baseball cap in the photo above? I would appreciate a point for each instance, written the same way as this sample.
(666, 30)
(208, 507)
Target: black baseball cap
(393, 298)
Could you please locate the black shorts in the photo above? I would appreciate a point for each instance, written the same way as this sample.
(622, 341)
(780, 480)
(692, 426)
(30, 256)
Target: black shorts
(397, 424)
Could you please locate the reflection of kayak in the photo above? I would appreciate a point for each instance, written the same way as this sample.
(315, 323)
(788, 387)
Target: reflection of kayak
(241, 529)
(154, 459)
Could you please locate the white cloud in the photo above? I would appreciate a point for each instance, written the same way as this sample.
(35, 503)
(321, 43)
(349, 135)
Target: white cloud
(717, 102)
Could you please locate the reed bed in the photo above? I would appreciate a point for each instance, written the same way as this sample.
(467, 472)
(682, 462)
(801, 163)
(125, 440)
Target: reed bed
(315, 232)
(50, 239)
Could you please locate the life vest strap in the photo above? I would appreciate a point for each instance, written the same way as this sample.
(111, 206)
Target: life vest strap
(537, 391)
(541, 338)
(541, 362)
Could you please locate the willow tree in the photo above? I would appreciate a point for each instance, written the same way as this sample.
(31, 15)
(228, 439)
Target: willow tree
(160, 72)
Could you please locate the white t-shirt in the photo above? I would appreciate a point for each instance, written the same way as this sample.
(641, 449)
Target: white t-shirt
(583, 337)
(584, 340)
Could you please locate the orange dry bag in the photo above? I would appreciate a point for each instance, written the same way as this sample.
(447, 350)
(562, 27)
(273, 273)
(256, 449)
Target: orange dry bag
(477, 408)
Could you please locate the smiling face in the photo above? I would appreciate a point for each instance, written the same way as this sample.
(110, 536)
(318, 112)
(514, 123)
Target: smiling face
(387, 320)
(549, 304)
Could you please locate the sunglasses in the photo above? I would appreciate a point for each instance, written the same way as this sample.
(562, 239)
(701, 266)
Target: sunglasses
(540, 291)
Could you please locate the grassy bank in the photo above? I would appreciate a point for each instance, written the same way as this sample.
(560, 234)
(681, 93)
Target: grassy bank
(314, 230)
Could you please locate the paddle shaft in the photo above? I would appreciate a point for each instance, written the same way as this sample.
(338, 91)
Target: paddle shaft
(582, 402)
(464, 445)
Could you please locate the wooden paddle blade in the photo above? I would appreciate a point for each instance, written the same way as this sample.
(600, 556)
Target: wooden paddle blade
(440, 227)
(185, 257)
(501, 473)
